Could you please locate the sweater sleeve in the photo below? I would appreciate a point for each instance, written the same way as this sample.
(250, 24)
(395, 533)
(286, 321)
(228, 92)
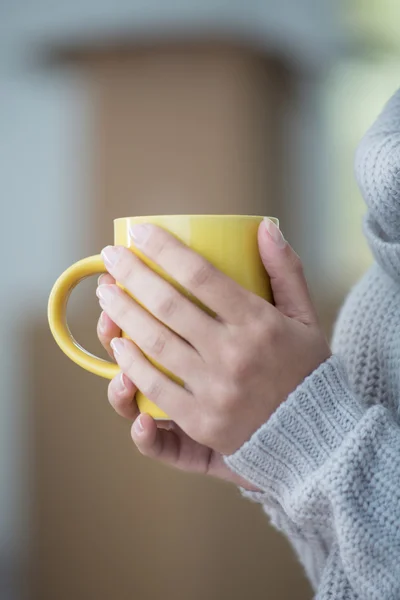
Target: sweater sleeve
(328, 468)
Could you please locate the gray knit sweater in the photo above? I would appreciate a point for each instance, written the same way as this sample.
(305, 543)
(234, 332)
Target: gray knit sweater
(328, 460)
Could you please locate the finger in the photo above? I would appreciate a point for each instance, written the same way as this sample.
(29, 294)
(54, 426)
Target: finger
(165, 424)
(121, 395)
(213, 288)
(160, 298)
(172, 398)
(154, 442)
(106, 331)
(105, 279)
(156, 340)
(289, 286)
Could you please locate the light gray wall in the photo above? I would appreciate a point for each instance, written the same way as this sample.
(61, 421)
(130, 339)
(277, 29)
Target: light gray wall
(41, 166)
(304, 30)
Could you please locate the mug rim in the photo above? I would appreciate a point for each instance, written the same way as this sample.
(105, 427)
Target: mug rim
(187, 216)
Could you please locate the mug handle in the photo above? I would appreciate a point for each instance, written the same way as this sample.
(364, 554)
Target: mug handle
(57, 309)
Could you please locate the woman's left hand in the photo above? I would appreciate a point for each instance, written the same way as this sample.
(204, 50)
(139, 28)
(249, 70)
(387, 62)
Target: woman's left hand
(237, 368)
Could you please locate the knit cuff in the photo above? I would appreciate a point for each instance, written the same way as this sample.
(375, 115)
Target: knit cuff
(301, 434)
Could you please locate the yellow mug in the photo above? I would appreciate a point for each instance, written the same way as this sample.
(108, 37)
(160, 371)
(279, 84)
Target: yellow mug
(228, 241)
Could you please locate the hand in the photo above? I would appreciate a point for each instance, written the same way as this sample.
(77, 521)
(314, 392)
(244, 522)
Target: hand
(237, 368)
(164, 441)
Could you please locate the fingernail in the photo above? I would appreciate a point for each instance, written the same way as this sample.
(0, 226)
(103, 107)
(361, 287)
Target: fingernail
(139, 233)
(117, 345)
(105, 292)
(100, 280)
(122, 388)
(110, 255)
(275, 233)
(137, 426)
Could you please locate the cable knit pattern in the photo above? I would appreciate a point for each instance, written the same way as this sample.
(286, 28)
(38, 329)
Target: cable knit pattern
(328, 460)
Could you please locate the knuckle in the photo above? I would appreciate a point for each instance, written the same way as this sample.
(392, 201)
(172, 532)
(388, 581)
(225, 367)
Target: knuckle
(124, 266)
(128, 360)
(155, 345)
(296, 266)
(152, 389)
(119, 307)
(158, 245)
(200, 274)
(166, 306)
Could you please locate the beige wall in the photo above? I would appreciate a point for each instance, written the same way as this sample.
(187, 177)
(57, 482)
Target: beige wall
(183, 130)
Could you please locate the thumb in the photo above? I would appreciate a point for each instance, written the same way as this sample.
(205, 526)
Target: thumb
(284, 267)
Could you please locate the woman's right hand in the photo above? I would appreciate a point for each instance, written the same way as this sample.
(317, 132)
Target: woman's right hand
(162, 440)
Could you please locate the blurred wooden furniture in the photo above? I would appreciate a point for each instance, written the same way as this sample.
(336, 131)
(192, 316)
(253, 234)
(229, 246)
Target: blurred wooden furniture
(185, 128)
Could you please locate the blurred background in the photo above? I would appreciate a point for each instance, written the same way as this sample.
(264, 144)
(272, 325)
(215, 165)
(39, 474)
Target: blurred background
(111, 109)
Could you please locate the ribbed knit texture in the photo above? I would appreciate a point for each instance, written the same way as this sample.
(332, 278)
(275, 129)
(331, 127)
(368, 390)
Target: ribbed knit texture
(328, 460)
